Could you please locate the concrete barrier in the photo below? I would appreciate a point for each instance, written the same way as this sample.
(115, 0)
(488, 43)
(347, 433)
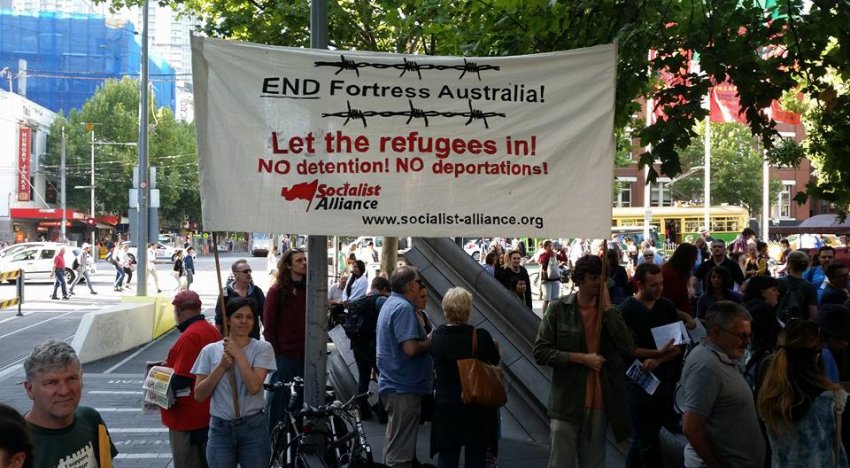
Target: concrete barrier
(119, 328)
(163, 318)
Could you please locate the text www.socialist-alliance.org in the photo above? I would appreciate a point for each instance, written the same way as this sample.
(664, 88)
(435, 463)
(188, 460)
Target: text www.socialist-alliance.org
(475, 219)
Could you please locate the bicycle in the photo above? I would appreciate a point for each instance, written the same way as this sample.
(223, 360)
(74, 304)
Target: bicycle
(342, 441)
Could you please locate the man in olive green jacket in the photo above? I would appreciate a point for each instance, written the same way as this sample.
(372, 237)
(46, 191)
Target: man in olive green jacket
(588, 375)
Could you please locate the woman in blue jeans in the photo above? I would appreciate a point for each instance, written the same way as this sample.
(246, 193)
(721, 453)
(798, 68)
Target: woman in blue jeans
(235, 438)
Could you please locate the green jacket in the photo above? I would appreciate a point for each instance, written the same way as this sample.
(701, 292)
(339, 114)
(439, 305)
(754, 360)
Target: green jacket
(562, 332)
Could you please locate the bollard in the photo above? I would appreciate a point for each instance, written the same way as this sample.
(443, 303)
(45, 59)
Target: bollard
(17, 275)
(20, 287)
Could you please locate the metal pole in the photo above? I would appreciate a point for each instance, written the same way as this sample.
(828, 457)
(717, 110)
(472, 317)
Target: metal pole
(91, 206)
(706, 215)
(765, 197)
(319, 24)
(647, 211)
(315, 347)
(62, 185)
(142, 235)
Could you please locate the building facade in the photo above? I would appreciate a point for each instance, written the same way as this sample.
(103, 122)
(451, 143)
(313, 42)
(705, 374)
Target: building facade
(59, 59)
(784, 211)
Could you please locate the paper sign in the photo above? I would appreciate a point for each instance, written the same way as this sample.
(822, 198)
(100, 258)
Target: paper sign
(647, 380)
(672, 331)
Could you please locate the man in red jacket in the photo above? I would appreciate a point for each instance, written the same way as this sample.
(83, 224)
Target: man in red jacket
(188, 420)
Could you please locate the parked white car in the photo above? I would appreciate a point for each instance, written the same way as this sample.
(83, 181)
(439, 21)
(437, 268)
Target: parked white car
(36, 260)
(474, 248)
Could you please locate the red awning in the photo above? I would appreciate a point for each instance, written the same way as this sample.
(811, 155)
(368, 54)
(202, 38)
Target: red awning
(45, 213)
(108, 219)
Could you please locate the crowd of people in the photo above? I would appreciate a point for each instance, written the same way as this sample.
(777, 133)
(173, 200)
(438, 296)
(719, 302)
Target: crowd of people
(761, 388)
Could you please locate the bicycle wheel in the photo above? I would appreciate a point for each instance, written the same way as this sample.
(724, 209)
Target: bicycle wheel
(284, 443)
(361, 459)
(535, 280)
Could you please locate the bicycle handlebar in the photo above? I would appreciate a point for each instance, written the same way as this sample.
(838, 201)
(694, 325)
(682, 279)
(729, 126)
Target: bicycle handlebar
(331, 408)
(297, 382)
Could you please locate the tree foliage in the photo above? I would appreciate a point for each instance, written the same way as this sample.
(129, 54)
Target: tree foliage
(736, 169)
(114, 112)
(766, 48)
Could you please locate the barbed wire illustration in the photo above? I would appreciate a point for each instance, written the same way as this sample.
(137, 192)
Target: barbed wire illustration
(407, 66)
(413, 113)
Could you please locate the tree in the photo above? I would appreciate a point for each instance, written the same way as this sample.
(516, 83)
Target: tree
(736, 169)
(114, 113)
(765, 48)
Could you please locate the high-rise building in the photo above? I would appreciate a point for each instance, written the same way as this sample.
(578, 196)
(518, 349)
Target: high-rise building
(58, 60)
(169, 38)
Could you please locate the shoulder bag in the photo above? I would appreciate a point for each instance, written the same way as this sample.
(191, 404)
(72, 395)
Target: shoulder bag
(480, 382)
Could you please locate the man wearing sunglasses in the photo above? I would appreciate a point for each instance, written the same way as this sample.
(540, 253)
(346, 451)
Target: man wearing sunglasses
(719, 419)
(243, 286)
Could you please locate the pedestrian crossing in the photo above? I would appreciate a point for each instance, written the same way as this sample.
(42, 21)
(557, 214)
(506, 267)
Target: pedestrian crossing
(141, 440)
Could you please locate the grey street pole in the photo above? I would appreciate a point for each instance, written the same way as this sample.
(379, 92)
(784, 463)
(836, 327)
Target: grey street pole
(91, 206)
(315, 348)
(142, 240)
(62, 185)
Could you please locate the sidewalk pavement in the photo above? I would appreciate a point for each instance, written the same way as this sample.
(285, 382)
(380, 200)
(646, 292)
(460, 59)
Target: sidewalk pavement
(512, 452)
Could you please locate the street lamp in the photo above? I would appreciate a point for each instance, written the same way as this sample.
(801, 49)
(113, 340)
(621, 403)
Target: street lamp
(90, 127)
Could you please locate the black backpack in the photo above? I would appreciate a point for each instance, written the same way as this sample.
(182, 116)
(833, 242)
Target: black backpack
(789, 306)
(359, 322)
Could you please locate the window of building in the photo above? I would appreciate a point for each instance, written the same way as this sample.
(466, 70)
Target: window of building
(781, 207)
(660, 194)
(624, 194)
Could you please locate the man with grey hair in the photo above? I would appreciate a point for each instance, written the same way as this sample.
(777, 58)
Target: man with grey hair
(63, 432)
(720, 420)
(405, 368)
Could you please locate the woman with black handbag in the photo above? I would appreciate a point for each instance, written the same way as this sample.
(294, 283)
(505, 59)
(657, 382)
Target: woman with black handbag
(456, 424)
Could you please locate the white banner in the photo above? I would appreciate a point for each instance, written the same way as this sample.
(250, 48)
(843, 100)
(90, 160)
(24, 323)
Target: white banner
(352, 143)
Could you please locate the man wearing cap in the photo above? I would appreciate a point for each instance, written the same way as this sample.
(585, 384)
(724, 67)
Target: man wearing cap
(188, 420)
(83, 270)
(706, 234)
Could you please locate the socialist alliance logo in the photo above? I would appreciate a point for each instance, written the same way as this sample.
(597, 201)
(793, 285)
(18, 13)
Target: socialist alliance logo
(347, 196)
